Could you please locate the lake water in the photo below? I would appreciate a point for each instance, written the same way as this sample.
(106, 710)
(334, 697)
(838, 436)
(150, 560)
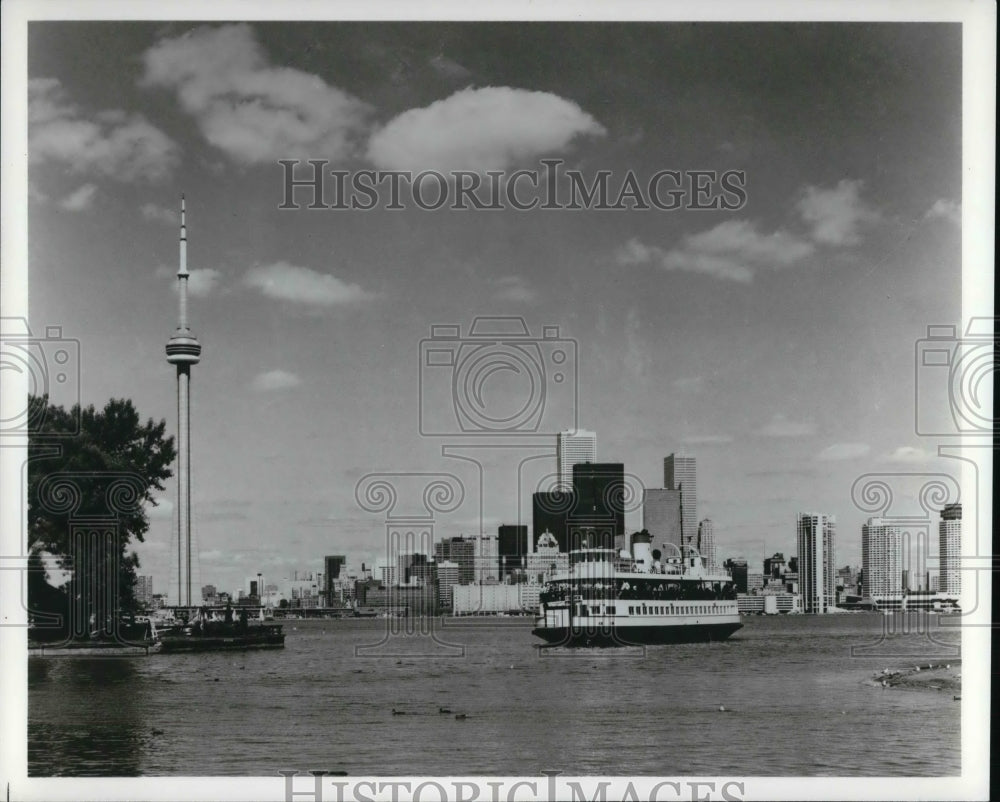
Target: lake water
(797, 691)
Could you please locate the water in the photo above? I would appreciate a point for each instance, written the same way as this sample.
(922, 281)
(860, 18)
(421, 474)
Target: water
(797, 703)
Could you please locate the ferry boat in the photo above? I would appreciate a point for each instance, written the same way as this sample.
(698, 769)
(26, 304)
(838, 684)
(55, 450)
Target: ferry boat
(632, 598)
(202, 634)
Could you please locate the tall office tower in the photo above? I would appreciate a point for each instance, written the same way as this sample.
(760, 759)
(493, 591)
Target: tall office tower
(661, 517)
(738, 571)
(183, 351)
(949, 547)
(144, 590)
(512, 546)
(679, 474)
(486, 558)
(817, 576)
(881, 545)
(774, 567)
(599, 512)
(332, 566)
(549, 512)
(706, 543)
(447, 576)
(572, 448)
(459, 550)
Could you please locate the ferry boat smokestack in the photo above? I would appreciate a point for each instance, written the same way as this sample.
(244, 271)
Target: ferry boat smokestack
(641, 548)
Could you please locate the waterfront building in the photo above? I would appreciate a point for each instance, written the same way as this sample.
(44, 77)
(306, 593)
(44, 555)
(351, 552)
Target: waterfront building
(880, 559)
(661, 517)
(572, 448)
(447, 577)
(680, 473)
(545, 559)
(184, 352)
(491, 599)
(755, 583)
(949, 548)
(486, 559)
(775, 566)
(706, 544)
(816, 536)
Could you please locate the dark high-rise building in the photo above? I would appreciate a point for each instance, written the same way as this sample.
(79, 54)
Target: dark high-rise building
(599, 512)
(774, 566)
(738, 570)
(331, 572)
(512, 546)
(549, 511)
(461, 551)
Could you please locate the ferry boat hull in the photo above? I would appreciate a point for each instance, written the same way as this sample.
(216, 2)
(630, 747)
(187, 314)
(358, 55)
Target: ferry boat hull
(255, 637)
(635, 635)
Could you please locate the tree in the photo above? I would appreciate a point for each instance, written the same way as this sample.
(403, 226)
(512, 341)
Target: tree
(90, 464)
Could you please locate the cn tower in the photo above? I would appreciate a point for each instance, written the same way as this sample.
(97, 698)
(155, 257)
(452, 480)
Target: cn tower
(183, 350)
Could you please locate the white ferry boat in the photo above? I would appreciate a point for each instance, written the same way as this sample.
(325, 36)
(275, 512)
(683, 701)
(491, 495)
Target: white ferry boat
(629, 598)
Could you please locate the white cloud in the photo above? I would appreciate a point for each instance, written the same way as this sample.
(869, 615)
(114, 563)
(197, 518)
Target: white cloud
(843, 451)
(275, 380)
(201, 282)
(513, 288)
(80, 199)
(908, 455)
(247, 108)
(947, 209)
(288, 282)
(159, 214)
(780, 426)
(164, 509)
(733, 250)
(707, 439)
(836, 215)
(483, 129)
(111, 143)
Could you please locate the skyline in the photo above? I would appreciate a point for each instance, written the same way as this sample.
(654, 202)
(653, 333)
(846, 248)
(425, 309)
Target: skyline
(774, 342)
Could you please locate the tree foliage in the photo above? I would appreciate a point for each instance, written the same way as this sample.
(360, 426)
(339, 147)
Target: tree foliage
(87, 451)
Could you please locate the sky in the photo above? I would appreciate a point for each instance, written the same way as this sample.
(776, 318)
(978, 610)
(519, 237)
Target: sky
(774, 342)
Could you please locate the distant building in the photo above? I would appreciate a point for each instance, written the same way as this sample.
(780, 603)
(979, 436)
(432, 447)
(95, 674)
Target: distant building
(144, 591)
(332, 566)
(447, 577)
(816, 536)
(706, 543)
(949, 549)
(738, 571)
(487, 599)
(573, 448)
(661, 517)
(545, 559)
(755, 583)
(549, 513)
(462, 552)
(599, 512)
(880, 558)
(775, 566)
(680, 473)
(486, 559)
(512, 547)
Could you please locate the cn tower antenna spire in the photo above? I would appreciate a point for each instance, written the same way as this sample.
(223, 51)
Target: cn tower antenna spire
(183, 350)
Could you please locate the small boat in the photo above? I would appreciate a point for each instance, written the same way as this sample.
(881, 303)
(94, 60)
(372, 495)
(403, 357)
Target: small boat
(202, 635)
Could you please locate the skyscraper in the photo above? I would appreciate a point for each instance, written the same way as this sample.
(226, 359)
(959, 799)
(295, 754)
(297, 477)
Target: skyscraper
(512, 546)
(949, 545)
(549, 512)
(184, 351)
(332, 565)
(706, 543)
(571, 449)
(661, 516)
(881, 545)
(599, 512)
(817, 576)
(679, 474)
(460, 551)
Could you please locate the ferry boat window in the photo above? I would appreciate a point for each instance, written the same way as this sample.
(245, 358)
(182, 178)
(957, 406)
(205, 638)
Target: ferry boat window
(595, 610)
(631, 610)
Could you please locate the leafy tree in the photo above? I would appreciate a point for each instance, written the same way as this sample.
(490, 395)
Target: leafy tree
(92, 463)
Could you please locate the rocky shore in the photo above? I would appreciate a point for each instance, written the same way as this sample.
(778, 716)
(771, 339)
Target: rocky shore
(927, 676)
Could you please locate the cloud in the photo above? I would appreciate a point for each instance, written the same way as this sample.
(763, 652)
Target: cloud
(706, 439)
(110, 143)
(733, 250)
(908, 455)
(252, 111)
(780, 426)
(159, 214)
(164, 508)
(275, 380)
(836, 214)
(480, 129)
(201, 282)
(947, 209)
(514, 288)
(80, 199)
(842, 451)
(288, 282)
